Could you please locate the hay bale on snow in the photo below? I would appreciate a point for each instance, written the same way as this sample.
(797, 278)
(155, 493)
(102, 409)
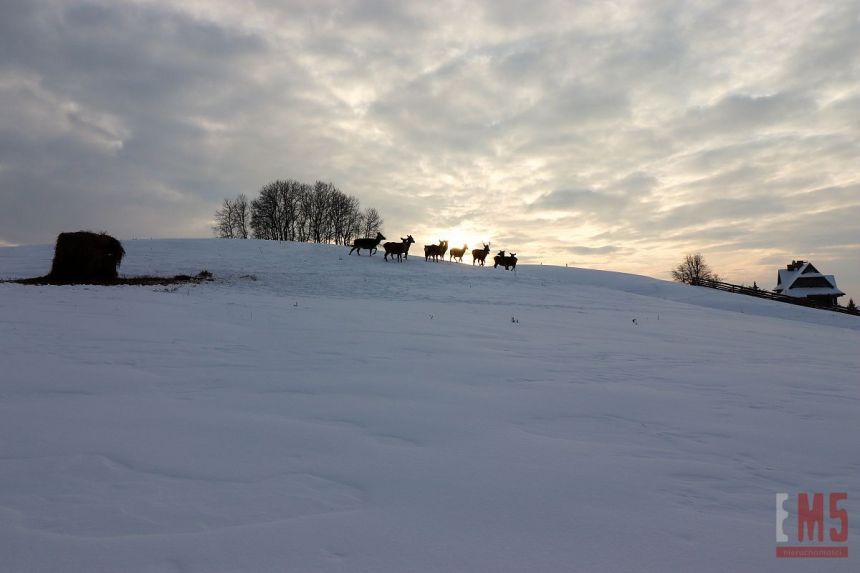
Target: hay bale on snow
(86, 256)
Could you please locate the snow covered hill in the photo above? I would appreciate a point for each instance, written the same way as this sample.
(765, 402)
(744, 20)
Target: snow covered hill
(312, 411)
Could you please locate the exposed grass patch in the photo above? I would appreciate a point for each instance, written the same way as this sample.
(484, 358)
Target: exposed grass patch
(202, 276)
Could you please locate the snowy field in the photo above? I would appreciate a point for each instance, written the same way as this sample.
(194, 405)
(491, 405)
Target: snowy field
(311, 411)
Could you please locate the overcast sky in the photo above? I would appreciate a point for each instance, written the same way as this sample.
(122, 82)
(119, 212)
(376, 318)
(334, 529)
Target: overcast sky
(613, 135)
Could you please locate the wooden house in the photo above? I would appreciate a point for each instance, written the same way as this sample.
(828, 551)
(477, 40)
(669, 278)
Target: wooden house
(801, 279)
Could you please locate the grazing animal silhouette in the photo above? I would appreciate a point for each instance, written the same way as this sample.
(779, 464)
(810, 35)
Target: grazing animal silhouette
(479, 255)
(435, 251)
(400, 249)
(369, 244)
(507, 261)
(458, 253)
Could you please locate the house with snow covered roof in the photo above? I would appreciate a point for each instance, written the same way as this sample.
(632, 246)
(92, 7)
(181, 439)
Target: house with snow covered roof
(802, 280)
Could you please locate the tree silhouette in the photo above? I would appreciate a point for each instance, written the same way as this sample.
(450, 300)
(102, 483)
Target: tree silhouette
(233, 219)
(371, 222)
(293, 211)
(693, 270)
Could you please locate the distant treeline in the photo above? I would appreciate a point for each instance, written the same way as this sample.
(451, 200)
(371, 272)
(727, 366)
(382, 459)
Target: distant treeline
(294, 211)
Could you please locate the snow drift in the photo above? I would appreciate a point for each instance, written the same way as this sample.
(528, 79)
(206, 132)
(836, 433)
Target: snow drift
(311, 411)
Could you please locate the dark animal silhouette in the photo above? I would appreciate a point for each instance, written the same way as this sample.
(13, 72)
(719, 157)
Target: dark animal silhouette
(444, 246)
(458, 253)
(86, 256)
(435, 251)
(507, 261)
(409, 241)
(369, 244)
(480, 255)
(400, 249)
(431, 251)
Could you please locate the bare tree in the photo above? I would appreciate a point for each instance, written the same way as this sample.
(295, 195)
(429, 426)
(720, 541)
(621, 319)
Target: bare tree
(289, 193)
(345, 217)
(304, 226)
(265, 215)
(232, 219)
(223, 227)
(694, 270)
(241, 216)
(319, 213)
(371, 222)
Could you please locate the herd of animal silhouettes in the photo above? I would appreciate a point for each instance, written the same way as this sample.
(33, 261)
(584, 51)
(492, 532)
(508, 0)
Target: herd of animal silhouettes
(435, 252)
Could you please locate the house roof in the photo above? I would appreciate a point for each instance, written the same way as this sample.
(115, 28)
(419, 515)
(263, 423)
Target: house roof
(802, 279)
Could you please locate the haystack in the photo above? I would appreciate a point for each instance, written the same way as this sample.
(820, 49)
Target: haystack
(86, 256)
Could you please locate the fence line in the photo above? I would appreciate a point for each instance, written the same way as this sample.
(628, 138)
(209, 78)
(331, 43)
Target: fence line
(757, 292)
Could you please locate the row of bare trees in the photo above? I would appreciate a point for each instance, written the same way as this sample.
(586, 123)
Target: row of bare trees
(294, 211)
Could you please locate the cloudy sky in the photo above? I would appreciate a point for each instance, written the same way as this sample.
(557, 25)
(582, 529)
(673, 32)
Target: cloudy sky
(613, 135)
